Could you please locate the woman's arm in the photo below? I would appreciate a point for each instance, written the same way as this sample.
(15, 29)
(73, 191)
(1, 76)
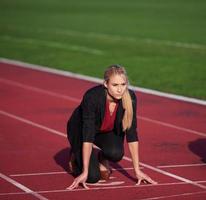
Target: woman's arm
(86, 153)
(134, 151)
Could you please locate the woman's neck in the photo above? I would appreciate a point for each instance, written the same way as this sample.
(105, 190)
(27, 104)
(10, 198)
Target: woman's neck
(110, 98)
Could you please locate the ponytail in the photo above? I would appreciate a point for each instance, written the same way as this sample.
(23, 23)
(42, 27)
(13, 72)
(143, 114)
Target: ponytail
(128, 115)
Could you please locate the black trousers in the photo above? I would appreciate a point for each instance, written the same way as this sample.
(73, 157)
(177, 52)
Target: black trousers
(112, 147)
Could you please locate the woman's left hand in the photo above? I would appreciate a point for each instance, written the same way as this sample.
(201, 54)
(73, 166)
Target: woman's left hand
(144, 178)
(81, 179)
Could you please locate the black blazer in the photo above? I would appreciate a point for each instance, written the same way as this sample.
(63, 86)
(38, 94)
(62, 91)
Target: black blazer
(85, 122)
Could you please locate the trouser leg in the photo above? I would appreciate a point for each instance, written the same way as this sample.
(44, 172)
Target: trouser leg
(93, 171)
(112, 145)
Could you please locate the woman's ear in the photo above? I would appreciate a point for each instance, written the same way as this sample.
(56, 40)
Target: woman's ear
(105, 84)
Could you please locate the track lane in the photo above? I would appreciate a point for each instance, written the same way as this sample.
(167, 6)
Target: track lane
(33, 102)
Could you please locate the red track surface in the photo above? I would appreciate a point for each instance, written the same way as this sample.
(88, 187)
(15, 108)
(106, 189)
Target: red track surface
(34, 109)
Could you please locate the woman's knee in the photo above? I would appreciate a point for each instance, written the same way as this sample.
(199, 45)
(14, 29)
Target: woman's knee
(114, 155)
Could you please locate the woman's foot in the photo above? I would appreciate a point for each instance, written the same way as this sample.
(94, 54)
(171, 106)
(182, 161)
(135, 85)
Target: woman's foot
(71, 164)
(104, 167)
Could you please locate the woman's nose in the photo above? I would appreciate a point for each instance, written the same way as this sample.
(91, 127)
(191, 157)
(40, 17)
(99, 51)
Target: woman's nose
(119, 89)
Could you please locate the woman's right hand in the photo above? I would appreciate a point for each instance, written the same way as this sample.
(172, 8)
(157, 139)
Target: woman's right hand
(80, 179)
(142, 177)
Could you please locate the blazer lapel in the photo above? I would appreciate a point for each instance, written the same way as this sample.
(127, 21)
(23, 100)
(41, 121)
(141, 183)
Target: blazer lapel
(102, 105)
(119, 117)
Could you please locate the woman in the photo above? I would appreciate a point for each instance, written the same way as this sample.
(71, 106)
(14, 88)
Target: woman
(105, 116)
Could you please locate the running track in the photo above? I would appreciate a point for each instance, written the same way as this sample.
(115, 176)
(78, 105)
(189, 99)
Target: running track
(34, 109)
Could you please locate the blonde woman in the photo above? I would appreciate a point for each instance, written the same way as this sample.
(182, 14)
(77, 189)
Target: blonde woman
(106, 115)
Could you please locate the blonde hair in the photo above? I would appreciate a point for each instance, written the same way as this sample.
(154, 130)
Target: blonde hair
(126, 98)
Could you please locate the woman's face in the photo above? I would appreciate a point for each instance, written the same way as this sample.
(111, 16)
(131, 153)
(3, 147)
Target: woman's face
(116, 86)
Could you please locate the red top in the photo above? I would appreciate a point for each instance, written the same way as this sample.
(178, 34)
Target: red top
(108, 121)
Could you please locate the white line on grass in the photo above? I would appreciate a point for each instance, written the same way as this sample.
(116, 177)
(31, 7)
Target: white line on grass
(22, 187)
(119, 38)
(54, 44)
(125, 158)
(133, 40)
(76, 100)
(97, 80)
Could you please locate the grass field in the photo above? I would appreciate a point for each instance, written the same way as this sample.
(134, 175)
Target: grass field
(162, 43)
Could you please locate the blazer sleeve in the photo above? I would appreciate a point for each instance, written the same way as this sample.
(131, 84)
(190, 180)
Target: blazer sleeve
(88, 117)
(131, 133)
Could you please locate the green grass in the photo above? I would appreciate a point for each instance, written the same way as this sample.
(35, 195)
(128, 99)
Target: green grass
(161, 43)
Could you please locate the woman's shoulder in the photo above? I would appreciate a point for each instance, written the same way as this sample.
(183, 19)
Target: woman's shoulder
(95, 92)
(96, 88)
(132, 94)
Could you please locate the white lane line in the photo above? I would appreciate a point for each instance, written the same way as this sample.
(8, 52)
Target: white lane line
(175, 195)
(105, 188)
(168, 174)
(76, 100)
(98, 80)
(172, 126)
(125, 157)
(39, 90)
(96, 188)
(62, 172)
(22, 187)
(185, 165)
(26, 121)
(106, 183)
(38, 174)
